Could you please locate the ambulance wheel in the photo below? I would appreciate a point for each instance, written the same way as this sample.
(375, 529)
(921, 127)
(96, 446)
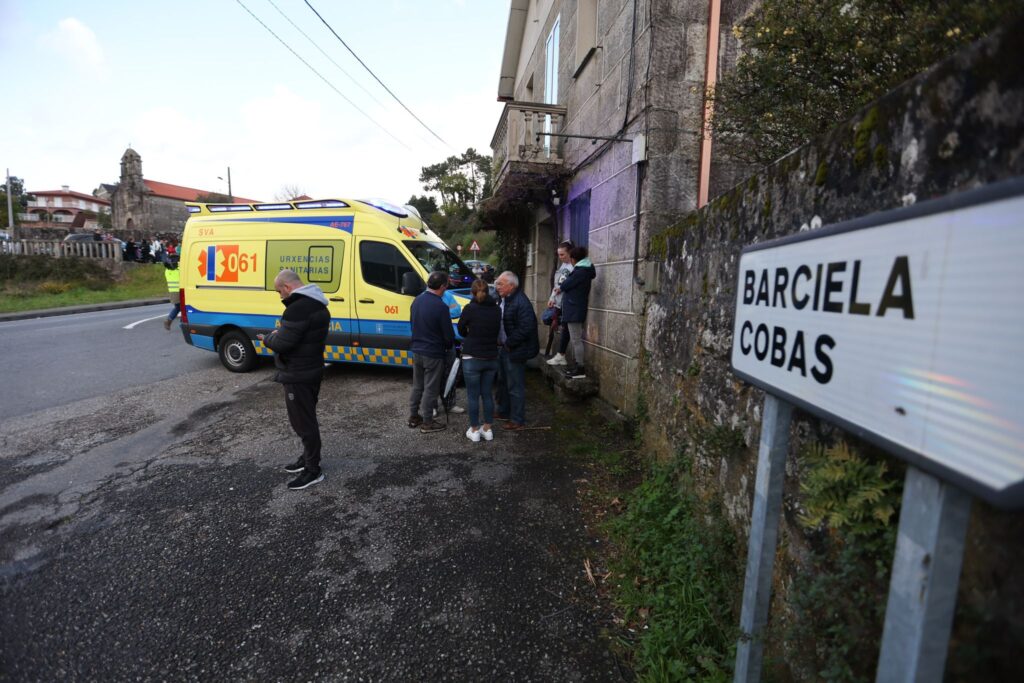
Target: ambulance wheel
(236, 352)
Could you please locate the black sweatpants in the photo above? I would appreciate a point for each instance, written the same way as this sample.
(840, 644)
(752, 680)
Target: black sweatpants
(301, 400)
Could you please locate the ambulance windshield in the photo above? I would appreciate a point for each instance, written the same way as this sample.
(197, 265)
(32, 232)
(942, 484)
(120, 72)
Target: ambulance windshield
(435, 256)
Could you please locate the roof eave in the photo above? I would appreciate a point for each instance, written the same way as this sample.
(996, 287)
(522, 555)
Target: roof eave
(513, 46)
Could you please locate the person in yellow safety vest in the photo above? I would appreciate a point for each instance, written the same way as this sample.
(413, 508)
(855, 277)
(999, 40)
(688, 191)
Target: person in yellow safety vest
(173, 277)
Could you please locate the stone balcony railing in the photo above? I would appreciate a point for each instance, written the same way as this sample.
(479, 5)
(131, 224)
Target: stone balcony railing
(523, 140)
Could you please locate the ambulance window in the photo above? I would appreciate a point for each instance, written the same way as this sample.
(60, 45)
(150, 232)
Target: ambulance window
(317, 263)
(437, 257)
(383, 265)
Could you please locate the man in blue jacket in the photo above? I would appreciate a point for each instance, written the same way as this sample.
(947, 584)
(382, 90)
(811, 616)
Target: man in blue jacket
(432, 336)
(518, 342)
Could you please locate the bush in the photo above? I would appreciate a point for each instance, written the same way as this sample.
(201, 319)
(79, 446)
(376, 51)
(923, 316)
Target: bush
(21, 269)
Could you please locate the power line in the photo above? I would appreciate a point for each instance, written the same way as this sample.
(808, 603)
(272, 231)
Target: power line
(329, 84)
(314, 44)
(375, 75)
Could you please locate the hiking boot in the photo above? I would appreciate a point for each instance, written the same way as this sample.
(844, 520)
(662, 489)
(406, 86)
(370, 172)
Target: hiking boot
(432, 426)
(297, 467)
(415, 421)
(557, 359)
(500, 417)
(472, 435)
(512, 426)
(305, 480)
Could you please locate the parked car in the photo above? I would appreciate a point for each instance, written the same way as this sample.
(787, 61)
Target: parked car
(80, 237)
(484, 271)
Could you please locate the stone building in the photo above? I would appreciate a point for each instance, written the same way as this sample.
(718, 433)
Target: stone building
(143, 207)
(600, 142)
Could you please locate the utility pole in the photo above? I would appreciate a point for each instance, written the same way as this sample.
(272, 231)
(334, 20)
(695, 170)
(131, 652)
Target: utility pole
(231, 196)
(10, 209)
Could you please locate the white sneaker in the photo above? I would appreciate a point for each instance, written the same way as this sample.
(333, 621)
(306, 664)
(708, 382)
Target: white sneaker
(557, 359)
(473, 436)
(457, 410)
(487, 434)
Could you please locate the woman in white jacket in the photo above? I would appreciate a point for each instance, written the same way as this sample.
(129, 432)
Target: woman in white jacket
(555, 301)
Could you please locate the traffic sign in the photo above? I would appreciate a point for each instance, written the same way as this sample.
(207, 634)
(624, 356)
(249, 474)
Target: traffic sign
(904, 328)
(474, 247)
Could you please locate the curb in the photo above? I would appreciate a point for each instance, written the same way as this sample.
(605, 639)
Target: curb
(85, 308)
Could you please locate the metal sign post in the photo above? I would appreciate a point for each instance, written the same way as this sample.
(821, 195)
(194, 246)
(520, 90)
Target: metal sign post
(904, 329)
(764, 532)
(925, 575)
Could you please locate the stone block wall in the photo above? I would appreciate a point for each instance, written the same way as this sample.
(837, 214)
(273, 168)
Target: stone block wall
(958, 126)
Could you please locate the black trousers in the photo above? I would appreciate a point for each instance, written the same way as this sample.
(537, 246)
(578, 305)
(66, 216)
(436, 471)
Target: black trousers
(301, 401)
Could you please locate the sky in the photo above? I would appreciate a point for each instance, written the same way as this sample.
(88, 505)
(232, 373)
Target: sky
(196, 87)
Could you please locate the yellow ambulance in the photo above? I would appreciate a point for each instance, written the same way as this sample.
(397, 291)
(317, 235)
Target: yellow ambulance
(371, 258)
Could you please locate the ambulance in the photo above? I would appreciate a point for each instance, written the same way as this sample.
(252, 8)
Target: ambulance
(370, 257)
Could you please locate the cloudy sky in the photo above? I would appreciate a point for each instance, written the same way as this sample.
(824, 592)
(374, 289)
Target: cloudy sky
(199, 86)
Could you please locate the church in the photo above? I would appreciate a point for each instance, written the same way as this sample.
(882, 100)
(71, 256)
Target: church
(143, 208)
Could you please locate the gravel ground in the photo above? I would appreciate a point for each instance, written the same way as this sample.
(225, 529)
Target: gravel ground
(144, 541)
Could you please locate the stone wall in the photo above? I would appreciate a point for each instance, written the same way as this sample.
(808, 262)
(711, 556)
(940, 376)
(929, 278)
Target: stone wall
(956, 127)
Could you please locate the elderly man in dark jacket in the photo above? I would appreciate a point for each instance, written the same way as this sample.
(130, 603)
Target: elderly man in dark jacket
(432, 336)
(518, 343)
(298, 347)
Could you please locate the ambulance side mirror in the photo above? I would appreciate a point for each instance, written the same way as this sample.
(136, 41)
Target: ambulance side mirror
(412, 284)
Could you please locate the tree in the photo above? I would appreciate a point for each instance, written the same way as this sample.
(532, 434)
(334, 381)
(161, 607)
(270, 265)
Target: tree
(426, 205)
(213, 198)
(19, 201)
(461, 181)
(808, 65)
(288, 193)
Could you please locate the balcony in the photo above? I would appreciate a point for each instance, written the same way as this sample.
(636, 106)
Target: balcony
(526, 156)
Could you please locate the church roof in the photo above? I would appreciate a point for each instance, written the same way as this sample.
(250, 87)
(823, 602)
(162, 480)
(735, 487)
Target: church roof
(185, 194)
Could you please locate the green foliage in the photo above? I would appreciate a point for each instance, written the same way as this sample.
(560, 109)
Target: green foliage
(840, 602)
(19, 200)
(42, 268)
(461, 181)
(676, 579)
(851, 494)
(808, 65)
(32, 282)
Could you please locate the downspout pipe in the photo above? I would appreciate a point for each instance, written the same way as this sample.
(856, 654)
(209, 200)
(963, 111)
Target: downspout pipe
(710, 79)
(641, 171)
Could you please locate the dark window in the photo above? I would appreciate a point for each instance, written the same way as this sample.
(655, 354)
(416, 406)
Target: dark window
(579, 220)
(383, 265)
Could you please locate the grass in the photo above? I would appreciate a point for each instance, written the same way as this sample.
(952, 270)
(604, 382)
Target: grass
(29, 286)
(666, 566)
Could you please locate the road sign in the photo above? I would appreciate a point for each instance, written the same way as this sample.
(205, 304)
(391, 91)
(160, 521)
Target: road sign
(474, 247)
(904, 328)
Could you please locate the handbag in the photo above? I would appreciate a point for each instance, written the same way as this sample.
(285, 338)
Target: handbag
(548, 316)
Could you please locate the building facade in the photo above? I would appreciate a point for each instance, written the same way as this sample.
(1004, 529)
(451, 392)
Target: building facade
(63, 208)
(148, 207)
(601, 143)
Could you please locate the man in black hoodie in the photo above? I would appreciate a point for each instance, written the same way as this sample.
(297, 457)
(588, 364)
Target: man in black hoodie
(298, 347)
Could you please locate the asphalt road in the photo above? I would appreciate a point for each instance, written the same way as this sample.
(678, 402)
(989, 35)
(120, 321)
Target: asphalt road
(55, 361)
(146, 534)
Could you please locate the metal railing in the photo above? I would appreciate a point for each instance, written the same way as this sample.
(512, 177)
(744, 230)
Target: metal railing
(106, 251)
(525, 133)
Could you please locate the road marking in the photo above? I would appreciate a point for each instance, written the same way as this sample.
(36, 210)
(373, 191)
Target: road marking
(144, 320)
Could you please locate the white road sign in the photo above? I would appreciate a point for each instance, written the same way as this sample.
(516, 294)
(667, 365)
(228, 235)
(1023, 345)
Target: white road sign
(906, 327)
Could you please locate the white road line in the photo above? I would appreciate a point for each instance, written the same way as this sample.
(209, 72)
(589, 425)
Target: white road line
(145, 320)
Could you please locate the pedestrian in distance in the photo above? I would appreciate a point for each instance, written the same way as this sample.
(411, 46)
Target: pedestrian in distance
(173, 277)
(555, 302)
(432, 336)
(479, 326)
(575, 300)
(298, 347)
(517, 343)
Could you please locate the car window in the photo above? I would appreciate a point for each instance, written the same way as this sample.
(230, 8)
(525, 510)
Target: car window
(383, 265)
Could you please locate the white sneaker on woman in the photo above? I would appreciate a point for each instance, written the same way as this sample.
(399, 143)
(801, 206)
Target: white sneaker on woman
(557, 359)
(487, 434)
(473, 436)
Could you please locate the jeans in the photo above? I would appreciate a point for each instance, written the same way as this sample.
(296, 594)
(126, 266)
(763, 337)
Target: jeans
(427, 375)
(174, 312)
(479, 374)
(576, 334)
(511, 388)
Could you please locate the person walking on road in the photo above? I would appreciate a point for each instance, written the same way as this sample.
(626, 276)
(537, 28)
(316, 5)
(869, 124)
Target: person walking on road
(575, 299)
(173, 277)
(479, 326)
(518, 342)
(298, 347)
(432, 336)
